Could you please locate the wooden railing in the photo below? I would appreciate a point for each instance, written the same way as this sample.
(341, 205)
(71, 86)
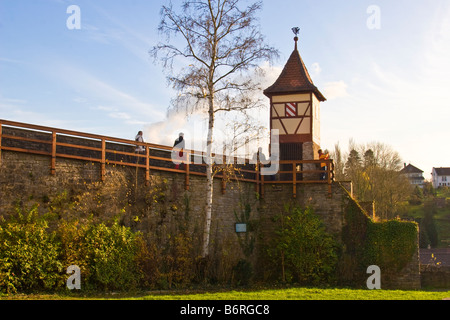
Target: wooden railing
(61, 143)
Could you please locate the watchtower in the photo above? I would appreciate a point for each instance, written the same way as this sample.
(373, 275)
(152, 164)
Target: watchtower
(295, 109)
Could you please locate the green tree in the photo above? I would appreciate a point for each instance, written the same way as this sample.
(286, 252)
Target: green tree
(353, 163)
(417, 196)
(28, 254)
(428, 189)
(111, 256)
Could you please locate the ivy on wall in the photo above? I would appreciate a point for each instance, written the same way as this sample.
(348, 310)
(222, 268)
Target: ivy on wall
(391, 244)
(387, 244)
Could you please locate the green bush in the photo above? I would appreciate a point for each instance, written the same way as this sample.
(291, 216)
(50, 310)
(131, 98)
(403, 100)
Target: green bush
(29, 255)
(111, 257)
(304, 250)
(106, 255)
(71, 235)
(34, 258)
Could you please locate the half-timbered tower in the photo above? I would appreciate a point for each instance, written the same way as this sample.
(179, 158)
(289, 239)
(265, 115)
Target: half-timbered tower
(295, 110)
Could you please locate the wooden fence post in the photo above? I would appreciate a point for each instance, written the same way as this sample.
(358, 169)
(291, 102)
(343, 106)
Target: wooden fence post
(262, 186)
(102, 172)
(147, 165)
(53, 161)
(294, 179)
(224, 167)
(258, 175)
(329, 177)
(0, 144)
(187, 162)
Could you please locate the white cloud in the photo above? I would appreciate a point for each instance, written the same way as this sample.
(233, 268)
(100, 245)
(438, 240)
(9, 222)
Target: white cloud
(120, 33)
(12, 101)
(95, 88)
(335, 90)
(271, 74)
(120, 115)
(165, 132)
(115, 113)
(101, 36)
(106, 108)
(315, 69)
(10, 60)
(80, 100)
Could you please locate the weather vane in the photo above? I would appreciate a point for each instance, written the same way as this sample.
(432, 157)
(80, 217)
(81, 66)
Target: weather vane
(296, 31)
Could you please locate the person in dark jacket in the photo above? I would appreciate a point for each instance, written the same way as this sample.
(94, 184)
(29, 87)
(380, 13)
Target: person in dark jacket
(178, 149)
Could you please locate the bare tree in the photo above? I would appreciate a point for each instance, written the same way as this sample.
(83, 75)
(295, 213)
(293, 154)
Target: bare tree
(220, 44)
(337, 157)
(374, 169)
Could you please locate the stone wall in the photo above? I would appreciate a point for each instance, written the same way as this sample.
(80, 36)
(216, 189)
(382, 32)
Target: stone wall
(158, 209)
(409, 278)
(435, 276)
(331, 207)
(160, 206)
(25, 180)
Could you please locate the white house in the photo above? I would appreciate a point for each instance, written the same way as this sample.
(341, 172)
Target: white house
(440, 177)
(414, 175)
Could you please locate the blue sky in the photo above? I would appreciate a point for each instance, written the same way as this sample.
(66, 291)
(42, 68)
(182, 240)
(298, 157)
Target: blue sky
(389, 84)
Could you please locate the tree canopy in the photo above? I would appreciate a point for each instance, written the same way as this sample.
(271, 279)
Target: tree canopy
(374, 168)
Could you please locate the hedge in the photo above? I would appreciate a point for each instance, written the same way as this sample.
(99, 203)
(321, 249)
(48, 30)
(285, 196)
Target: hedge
(388, 244)
(34, 258)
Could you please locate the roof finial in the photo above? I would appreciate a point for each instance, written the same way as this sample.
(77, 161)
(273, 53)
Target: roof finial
(296, 31)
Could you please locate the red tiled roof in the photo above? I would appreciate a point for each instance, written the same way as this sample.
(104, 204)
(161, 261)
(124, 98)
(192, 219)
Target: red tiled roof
(294, 78)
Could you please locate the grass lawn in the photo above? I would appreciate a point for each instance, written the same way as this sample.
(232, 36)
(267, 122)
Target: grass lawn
(270, 294)
(309, 294)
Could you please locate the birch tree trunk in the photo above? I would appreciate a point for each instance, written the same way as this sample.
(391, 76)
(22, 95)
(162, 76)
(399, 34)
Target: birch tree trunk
(209, 181)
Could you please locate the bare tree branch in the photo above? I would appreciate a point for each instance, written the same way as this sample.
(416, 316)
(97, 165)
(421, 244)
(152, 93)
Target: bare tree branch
(222, 46)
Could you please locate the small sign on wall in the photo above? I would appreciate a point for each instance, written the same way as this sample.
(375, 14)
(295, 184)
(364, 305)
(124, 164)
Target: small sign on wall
(241, 227)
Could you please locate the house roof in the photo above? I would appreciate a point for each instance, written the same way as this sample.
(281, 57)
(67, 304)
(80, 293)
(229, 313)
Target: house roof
(294, 78)
(442, 171)
(410, 169)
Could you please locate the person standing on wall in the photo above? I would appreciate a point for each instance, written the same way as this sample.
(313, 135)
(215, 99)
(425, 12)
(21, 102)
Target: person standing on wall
(139, 148)
(323, 165)
(178, 149)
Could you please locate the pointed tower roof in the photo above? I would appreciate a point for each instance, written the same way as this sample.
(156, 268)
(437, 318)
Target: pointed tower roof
(294, 78)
